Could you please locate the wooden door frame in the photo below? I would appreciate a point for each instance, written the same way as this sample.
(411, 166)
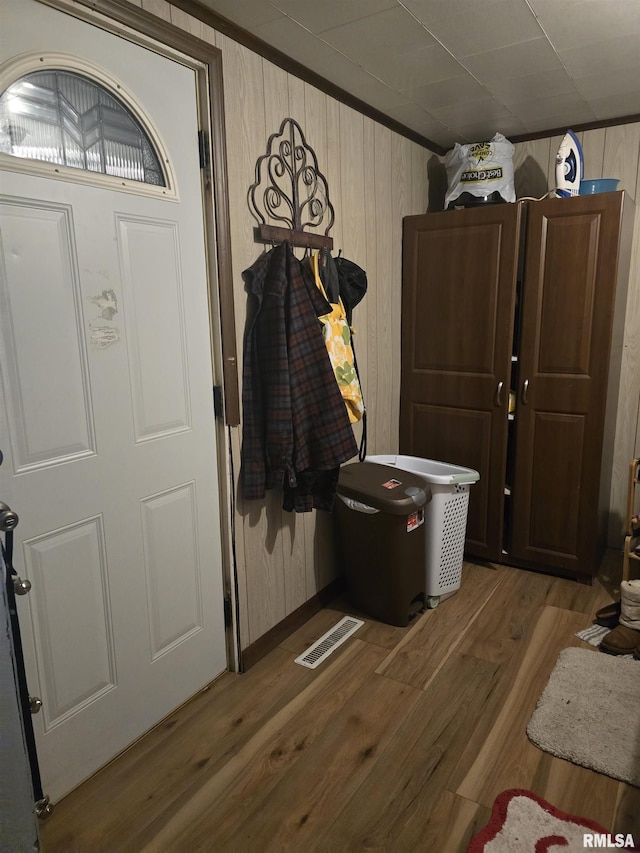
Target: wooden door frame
(122, 19)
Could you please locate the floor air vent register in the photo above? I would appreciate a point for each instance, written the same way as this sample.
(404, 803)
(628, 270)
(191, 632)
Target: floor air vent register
(329, 642)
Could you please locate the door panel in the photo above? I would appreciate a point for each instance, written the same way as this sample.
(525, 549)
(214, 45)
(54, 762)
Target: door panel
(558, 441)
(459, 287)
(55, 315)
(170, 538)
(149, 252)
(565, 307)
(569, 287)
(110, 446)
(77, 665)
(456, 284)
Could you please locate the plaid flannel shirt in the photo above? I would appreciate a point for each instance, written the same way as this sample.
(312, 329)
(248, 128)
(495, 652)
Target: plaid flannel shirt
(296, 430)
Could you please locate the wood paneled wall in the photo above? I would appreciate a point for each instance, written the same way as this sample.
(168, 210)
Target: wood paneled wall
(375, 178)
(612, 152)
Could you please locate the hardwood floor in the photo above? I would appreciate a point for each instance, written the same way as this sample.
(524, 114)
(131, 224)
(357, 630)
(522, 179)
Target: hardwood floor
(400, 741)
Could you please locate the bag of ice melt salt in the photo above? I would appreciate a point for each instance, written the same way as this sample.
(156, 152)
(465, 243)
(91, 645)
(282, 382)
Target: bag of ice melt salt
(480, 172)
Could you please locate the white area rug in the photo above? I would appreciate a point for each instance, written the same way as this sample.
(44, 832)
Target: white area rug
(589, 713)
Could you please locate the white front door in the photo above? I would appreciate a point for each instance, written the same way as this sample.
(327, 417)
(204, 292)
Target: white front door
(107, 423)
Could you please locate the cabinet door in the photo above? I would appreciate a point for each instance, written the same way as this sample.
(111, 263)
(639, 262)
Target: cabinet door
(459, 276)
(568, 302)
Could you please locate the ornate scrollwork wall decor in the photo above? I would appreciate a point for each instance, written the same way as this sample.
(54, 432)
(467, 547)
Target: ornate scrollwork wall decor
(290, 190)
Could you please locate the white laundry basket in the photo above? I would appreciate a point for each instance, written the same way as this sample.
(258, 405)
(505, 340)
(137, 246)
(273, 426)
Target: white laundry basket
(445, 520)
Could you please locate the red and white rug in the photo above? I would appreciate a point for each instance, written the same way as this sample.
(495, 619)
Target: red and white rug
(522, 822)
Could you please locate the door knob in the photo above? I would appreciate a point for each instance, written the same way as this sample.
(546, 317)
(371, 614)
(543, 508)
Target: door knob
(525, 391)
(21, 587)
(43, 808)
(8, 518)
(498, 397)
(35, 703)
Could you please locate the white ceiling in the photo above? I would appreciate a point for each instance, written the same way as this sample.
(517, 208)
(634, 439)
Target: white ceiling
(460, 70)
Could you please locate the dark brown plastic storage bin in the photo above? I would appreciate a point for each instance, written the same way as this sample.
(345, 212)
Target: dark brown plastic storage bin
(380, 538)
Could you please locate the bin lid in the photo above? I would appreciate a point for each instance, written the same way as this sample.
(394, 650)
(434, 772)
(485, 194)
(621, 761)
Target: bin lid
(383, 487)
(440, 473)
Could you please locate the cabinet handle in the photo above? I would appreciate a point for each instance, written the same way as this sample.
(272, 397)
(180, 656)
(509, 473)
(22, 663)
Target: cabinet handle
(525, 391)
(498, 397)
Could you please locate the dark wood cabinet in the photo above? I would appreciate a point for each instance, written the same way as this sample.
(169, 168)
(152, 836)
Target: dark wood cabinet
(516, 306)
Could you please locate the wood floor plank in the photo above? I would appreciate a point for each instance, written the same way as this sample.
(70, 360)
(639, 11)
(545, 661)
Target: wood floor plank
(173, 760)
(580, 597)
(506, 622)
(417, 657)
(314, 628)
(507, 759)
(378, 633)
(576, 790)
(627, 817)
(285, 751)
(453, 823)
(391, 809)
(206, 819)
(330, 771)
(373, 631)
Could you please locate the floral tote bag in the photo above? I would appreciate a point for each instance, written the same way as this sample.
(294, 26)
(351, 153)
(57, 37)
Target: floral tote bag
(337, 337)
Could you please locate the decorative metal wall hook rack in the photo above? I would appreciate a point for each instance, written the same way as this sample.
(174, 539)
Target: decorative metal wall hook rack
(290, 189)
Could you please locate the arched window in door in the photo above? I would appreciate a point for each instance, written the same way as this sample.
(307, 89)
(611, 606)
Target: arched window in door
(65, 118)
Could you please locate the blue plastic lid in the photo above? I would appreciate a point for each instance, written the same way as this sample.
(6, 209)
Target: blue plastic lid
(598, 185)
